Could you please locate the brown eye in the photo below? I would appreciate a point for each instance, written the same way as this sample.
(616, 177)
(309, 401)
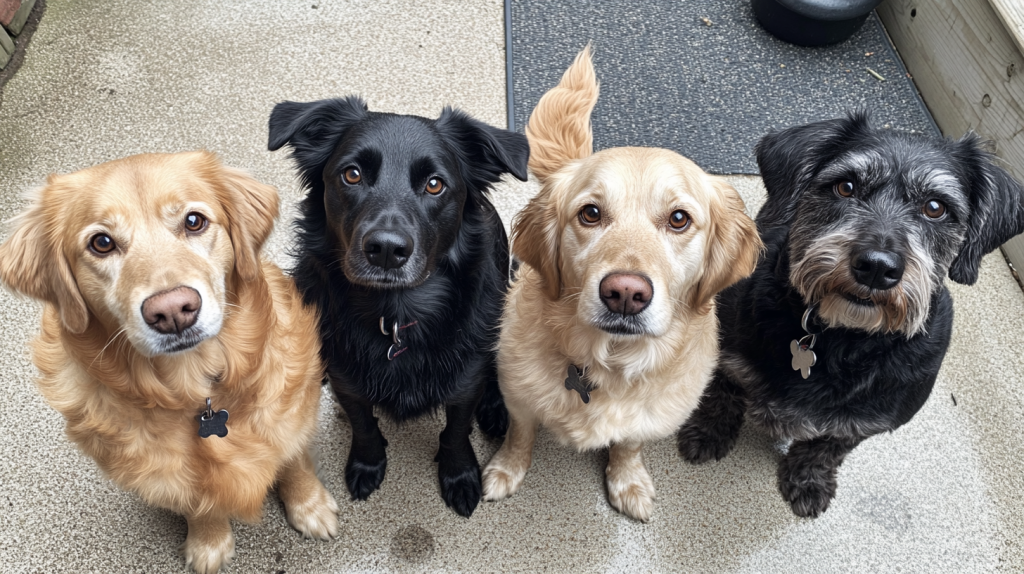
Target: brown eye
(679, 220)
(590, 215)
(934, 209)
(195, 223)
(435, 185)
(352, 176)
(844, 188)
(102, 244)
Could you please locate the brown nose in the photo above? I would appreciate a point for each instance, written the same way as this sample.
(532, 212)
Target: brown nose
(172, 311)
(626, 294)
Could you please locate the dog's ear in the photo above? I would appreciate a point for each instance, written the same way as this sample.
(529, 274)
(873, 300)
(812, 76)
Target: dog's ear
(997, 208)
(32, 262)
(790, 158)
(535, 240)
(487, 151)
(312, 129)
(559, 128)
(251, 207)
(733, 245)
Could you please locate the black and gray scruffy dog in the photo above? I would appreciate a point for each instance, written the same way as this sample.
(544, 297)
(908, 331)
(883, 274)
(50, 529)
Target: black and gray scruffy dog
(861, 226)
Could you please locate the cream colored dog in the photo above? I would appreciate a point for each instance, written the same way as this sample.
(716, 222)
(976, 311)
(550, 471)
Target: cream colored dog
(624, 251)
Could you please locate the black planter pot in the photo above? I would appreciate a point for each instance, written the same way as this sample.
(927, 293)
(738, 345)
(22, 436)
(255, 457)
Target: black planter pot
(813, 22)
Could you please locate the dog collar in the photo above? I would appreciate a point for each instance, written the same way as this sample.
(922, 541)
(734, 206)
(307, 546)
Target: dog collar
(395, 349)
(212, 423)
(803, 357)
(578, 381)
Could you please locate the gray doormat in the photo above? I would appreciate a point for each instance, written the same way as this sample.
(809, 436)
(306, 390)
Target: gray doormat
(669, 79)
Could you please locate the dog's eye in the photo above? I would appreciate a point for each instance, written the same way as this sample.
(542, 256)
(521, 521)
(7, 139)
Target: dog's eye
(844, 188)
(590, 215)
(679, 220)
(101, 243)
(435, 185)
(352, 176)
(934, 209)
(195, 223)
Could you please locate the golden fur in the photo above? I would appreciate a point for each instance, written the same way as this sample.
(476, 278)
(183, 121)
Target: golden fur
(647, 384)
(133, 408)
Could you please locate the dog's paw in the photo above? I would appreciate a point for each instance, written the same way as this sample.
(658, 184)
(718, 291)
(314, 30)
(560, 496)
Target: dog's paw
(500, 483)
(699, 444)
(460, 487)
(363, 478)
(208, 555)
(634, 496)
(808, 490)
(316, 517)
(492, 417)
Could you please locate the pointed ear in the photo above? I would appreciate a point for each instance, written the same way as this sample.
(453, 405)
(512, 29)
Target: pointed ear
(559, 127)
(33, 263)
(251, 208)
(733, 245)
(312, 130)
(535, 241)
(997, 208)
(488, 151)
(790, 158)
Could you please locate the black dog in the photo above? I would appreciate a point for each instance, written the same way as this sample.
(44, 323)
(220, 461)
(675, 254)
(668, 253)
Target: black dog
(407, 261)
(861, 226)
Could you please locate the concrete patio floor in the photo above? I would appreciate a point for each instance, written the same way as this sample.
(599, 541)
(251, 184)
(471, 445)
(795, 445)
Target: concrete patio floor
(106, 79)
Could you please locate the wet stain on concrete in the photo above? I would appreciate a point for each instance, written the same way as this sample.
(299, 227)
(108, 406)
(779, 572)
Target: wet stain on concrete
(413, 543)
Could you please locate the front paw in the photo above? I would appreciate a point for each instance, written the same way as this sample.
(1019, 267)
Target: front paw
(633, 496)
(501, 482)
(492, 416)
(460, 486)
(316, 517)
(208, 554)
(364, 477)
(700, 443)
(807, 489)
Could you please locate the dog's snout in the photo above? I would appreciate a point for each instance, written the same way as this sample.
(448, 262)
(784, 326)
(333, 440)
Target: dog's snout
(172, 311)
(625, 293)
(877, 269)
(387, 249)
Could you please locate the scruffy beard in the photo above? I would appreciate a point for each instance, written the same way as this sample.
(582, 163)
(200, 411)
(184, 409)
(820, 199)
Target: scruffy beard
(822, 275)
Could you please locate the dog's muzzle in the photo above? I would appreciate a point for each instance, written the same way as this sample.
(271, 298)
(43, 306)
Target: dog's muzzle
(877, 269)
(387, 249)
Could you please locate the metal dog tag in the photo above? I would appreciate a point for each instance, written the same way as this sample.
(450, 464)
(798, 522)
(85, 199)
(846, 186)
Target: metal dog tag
(803, 357)
(577, 381)
(212, 423)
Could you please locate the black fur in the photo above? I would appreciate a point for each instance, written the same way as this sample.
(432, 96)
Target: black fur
(452, 285)
(864, 383)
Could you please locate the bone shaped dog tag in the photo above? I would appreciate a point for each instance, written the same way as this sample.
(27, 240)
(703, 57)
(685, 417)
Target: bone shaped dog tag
(803, 357)
(212, 423)
(578, 383)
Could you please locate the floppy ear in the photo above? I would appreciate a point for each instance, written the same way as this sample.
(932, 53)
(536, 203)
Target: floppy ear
(733, 245)
(559, 127)
(312, 130)
(32, 262)
(535, 241)
(788, 159)
(251, 208)
(997, 208)
(488, 151)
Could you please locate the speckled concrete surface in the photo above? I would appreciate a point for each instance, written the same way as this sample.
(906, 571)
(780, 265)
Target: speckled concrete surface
(103, 80)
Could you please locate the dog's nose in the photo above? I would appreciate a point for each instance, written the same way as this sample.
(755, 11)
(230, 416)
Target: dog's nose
(877, 269)
(387, 249)
(626, 294)
(172, 311)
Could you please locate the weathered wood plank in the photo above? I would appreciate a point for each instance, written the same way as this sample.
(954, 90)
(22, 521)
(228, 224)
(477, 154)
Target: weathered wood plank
(970, 72)
(6, 44)
(1011, 12)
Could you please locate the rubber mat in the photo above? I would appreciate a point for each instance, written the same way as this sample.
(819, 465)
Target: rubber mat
(700, 76)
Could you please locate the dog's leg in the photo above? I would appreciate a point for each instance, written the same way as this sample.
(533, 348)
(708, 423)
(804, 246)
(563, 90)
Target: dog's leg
(807, 474)
(630, 487)
(491, 414)
(507, 469)
(209, 545)
(310, 508)
(367, 460)
(457, 468)
(711, 431)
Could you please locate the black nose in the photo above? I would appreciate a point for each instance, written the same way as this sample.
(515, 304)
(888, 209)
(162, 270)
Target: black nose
(387, 249)
(877, 269)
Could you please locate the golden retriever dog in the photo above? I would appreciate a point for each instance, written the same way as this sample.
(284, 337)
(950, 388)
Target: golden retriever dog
(157, 304)
(623, 252)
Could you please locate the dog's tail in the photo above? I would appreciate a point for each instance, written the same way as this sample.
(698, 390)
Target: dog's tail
(559, 127)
